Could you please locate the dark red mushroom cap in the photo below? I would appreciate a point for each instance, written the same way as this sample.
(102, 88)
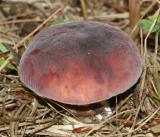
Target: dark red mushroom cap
(80, 63)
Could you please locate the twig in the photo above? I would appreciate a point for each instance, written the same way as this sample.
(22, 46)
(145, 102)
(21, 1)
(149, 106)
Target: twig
(124, 15)
(156, 49)
(38, 28)
(135, 118)
(14, 124)
(34, 108)
(107, 120)
(38, 128)
(150, 30)
(84, 9)
(134, 10)
(154, 2)
(149, 118)
(20, 21)
(144, 14)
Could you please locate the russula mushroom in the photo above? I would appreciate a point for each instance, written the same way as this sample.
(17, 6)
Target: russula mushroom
(80, 63)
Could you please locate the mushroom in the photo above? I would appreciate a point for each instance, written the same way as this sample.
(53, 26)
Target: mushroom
(80, 63)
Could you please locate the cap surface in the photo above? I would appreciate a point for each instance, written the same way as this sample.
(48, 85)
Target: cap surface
(80, 63)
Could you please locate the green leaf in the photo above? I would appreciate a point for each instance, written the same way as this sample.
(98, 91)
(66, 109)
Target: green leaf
(61, 21)
(58, 21)
(156, 97)
(156, 77)
(9, 66)
(154, 16)
(146, 25)
(2, 47)
(1, 61)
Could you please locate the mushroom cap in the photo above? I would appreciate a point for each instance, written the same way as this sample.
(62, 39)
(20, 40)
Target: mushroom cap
(80, 63)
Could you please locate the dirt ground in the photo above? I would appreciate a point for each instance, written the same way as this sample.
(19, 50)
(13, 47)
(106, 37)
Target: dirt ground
(136, 113)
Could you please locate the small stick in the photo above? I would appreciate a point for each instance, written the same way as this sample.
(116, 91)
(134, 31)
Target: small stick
(148, 119)
(84, 9)
(38, 28)
(144, 14)
(100, 125)
(20, 21)
(134, 11)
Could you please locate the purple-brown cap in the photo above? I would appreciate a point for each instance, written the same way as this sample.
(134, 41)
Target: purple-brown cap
(80, 63)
